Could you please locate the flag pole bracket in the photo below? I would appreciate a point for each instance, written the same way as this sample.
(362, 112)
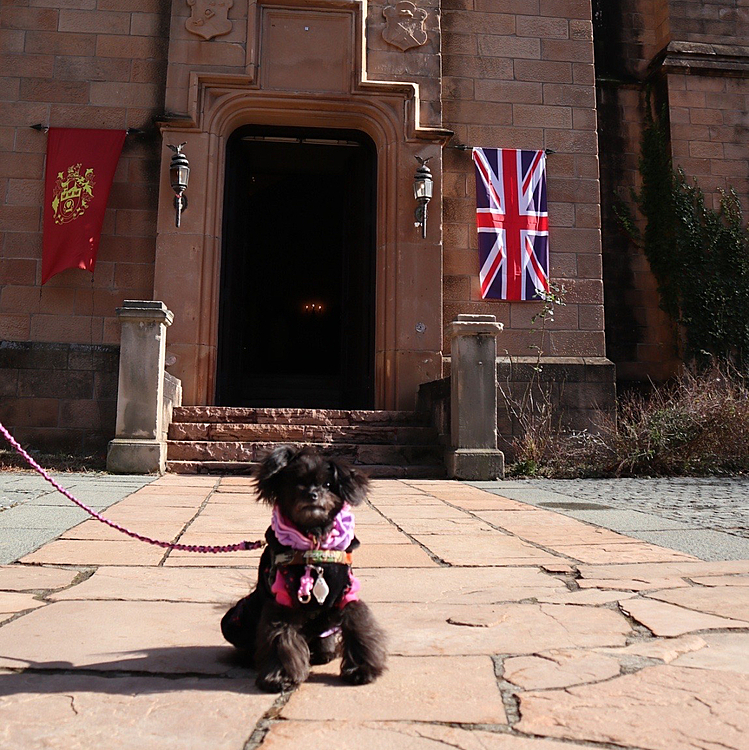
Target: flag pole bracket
(463, 147)
(44, 128)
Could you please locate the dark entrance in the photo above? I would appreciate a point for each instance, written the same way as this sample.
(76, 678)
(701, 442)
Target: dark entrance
(296, 322)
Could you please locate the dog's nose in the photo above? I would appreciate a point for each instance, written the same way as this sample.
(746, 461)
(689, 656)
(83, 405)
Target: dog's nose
(313, 493)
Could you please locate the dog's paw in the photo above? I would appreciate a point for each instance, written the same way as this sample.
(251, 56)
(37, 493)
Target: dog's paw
(275, 682)
(323, 651)
(360, 674)
(321, 657)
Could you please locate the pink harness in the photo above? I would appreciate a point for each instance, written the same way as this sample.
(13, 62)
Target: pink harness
(338, 538)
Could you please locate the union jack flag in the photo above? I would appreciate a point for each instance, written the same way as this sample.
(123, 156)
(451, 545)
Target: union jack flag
(512, 222)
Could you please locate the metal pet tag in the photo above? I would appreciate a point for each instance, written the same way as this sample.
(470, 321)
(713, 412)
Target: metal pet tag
(321, 589)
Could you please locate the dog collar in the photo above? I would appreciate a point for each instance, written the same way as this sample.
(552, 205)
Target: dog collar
(313, 557)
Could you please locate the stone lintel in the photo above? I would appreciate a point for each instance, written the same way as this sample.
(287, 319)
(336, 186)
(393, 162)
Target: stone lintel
(475, 464)
(132, 456)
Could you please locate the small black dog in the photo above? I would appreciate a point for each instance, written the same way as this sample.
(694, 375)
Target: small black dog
(306, 594)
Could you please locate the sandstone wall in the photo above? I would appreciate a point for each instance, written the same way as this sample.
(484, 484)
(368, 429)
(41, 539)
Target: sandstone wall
(87, 64)
(693, 57)
(519, 74)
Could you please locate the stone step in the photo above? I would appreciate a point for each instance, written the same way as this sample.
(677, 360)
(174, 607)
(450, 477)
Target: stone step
(356, 454)
(274, 416)
(375, 471)
(304, 433)
(392, 444)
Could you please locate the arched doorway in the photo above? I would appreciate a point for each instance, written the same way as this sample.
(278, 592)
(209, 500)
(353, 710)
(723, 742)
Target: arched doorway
(296, 317)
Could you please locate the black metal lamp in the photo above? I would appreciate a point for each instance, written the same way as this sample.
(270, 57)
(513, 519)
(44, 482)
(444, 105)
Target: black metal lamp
(179, 177)
(423, 186)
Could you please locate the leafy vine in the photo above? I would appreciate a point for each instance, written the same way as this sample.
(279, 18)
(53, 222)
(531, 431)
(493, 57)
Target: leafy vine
(699, 255)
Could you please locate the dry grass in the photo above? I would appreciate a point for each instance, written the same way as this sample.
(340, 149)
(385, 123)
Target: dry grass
(58, 461)
(698, 425)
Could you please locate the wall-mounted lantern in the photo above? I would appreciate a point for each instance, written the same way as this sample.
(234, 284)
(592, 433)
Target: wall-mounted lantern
(179, 177)
(423, 185)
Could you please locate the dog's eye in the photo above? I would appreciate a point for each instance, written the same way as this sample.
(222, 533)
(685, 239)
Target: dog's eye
(327, 485)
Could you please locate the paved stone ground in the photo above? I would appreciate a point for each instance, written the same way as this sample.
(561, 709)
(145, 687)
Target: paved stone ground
(33, 512)
(707, 518)
(511, 626)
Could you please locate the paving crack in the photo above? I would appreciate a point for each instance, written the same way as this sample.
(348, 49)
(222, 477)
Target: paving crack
(508, 691)
(72, 704)
(266, 722)
(438, 740)
(442, 563)
(189, 523)
(537, 545)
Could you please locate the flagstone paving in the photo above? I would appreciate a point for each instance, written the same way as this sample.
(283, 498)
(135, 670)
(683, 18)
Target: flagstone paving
(510, 627)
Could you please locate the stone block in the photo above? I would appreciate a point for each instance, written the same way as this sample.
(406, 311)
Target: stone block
(85, 552)
(53, 43)
(542, 115)
(38, 19)
(71, 384)
(95, 21)
(665, 619)
(105, 386)
(693, 708)
(557, 669)
(131, 712)
(101, 358)
(17, 270)
(45, 90)
(29, 412)
(427, 680)
(136, 456)
(475, 464)
(19, 578)
(32, 355)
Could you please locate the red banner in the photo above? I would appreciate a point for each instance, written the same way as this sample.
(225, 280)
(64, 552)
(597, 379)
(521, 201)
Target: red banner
(78, 178)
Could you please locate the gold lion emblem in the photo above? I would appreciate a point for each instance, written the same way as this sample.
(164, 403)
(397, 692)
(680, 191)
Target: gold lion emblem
(72, 193)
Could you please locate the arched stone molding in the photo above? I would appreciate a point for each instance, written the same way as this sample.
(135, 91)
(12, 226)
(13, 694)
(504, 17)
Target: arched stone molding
(231, 81)
(408, 311)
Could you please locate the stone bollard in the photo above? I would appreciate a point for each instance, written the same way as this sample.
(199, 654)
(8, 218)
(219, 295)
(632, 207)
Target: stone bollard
(139, 446)
(473, 399)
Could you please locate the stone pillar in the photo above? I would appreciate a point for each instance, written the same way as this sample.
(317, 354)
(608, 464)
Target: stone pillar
(473, 398)
(139, 446)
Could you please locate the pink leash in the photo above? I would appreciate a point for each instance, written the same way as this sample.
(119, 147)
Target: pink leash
(167, 545)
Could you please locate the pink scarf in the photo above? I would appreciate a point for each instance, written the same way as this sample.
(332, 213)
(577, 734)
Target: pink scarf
(338, 538)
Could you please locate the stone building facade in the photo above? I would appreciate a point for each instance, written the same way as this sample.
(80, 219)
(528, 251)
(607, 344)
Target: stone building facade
(693, 56)
(302, 120)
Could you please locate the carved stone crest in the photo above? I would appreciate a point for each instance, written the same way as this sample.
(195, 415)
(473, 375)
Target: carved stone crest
(209, 17)
(404, 25)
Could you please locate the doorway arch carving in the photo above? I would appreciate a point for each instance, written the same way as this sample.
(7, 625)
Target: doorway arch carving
(408, 270)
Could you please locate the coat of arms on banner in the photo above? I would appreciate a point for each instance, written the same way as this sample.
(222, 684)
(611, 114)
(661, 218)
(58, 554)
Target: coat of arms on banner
(209, 17)
(72, 193)
(404, 25)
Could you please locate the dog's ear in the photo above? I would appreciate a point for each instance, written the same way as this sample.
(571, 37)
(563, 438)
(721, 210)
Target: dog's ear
(348, 483)
(266, 473)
